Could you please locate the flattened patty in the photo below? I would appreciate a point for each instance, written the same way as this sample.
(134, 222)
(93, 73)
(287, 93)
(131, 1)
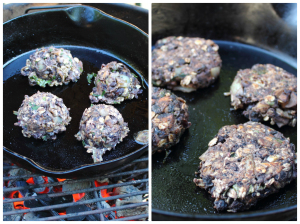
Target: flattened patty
(245, 163)
(266, 92)
(185, 63)
(115, 83)
(169, 115)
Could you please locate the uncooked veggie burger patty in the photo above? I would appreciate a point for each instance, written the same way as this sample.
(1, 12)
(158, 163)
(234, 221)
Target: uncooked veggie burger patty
(101, 128)
(52, 66)
(185, 63)
(266, 92)
(245, 163)
(42, 116)
(115, 83)
(169, 115)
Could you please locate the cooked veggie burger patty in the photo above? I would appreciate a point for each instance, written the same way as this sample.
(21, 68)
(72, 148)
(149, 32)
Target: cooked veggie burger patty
(52, 66)
(185, 63)
(169, 115)
(115, 83)
(42, 115)
(101, 128)
(266, 92)
(245, 163)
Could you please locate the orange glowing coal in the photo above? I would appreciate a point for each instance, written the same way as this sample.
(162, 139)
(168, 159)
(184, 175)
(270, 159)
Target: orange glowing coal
(30, 181)
(18, 204)
(76, 197)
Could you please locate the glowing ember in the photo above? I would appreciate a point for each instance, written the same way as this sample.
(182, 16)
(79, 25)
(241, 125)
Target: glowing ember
(77, 197)
(19, 204)
(30, 181)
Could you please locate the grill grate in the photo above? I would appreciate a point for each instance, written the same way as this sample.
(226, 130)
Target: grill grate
(134, 174)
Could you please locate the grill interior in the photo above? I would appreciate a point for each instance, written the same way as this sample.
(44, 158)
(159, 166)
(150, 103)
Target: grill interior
(121, 194)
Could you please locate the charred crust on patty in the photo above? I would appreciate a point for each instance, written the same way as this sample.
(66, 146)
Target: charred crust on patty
(266, 93)
(185, 63)
(244, 164)
(101, 128)
(115, 83)
(42, 116)
(169, 115)
(52, 66)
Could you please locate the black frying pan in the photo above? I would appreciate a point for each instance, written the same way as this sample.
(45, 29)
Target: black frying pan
(174, 195)
(95, 38)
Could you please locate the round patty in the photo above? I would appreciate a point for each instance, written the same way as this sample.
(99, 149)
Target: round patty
(42, 116)
(169, 115)
(52, 66)
(185, 63)
(266, 92)
(245, 163)
(115, 83)
(101, 128)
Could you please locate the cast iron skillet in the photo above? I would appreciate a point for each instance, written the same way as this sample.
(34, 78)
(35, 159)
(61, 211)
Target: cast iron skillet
(174, 195)
(95, 38)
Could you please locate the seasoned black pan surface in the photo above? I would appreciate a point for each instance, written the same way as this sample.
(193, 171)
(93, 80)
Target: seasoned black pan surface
(174, 195)
(66, 152)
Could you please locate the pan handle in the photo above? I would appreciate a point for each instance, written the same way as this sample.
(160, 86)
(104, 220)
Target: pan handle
(49, 7)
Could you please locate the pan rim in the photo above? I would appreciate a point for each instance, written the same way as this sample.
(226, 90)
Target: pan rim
(77, 168)
(80, 6)
(53, 171)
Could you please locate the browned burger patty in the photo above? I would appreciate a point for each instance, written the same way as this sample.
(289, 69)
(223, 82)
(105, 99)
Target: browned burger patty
(245, 163)
(42, 116)
(115, 83)
(266, 92)
(101, 128)
(169, 115)
(185, 63)
(52, 66)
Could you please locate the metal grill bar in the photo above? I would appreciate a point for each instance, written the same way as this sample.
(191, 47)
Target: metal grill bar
(94, 212)
(76, 203)
(41, 196)
(81, 180)
(125, 175)
(47, 185)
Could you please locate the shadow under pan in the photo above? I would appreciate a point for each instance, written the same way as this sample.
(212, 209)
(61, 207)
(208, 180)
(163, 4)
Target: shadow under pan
(173, 189)
(66, 152)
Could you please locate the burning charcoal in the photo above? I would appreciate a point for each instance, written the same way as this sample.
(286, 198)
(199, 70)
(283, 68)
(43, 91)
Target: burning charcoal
(32, 203)
(77, 209)
(21, 183)
(62, 200)
(39, 180)
(76, 186)
(32, 216)
(129, 200)
(18, 172)
(6, 208)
